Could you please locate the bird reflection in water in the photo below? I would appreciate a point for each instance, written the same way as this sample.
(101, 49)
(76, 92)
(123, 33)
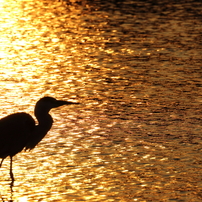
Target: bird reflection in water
(18, 131)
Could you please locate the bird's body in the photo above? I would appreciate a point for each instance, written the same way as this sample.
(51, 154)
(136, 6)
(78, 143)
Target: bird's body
(15, 132)
(18, 131)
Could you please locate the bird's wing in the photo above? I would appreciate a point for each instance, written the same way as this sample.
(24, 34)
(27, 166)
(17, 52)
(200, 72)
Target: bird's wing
(15, 130)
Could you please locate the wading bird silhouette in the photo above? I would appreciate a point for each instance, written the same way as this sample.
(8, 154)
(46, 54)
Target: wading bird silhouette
(18, 131)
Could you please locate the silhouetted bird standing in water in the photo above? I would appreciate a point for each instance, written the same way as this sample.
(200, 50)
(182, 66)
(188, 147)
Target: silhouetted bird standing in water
(18, 131)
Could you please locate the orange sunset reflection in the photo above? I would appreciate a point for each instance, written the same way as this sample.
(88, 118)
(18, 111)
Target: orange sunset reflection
(135, 70)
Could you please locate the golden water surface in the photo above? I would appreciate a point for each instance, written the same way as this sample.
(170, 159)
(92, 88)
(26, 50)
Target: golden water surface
(135, 67)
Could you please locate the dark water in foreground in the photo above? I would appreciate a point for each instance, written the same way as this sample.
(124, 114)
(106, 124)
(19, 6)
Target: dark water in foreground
(136, 68)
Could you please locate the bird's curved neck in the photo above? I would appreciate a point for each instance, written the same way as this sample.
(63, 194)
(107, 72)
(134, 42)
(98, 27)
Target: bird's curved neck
(44, 119)
(45, 122)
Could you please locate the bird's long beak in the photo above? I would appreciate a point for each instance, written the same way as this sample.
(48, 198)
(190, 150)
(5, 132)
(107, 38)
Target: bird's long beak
(62, 102)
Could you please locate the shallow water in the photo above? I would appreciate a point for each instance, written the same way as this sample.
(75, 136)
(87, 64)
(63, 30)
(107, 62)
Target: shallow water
(136, 69)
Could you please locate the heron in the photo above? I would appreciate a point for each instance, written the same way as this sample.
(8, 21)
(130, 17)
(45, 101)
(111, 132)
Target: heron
(19, 131)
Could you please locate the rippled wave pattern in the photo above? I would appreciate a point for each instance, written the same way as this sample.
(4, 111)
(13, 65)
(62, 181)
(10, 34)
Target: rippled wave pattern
(135, 67)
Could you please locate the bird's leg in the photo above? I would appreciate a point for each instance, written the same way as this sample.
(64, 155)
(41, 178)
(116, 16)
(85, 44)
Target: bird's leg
(11, 169)
(1, 162)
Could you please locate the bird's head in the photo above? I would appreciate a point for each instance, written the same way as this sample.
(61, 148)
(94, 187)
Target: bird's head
(45, 104)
